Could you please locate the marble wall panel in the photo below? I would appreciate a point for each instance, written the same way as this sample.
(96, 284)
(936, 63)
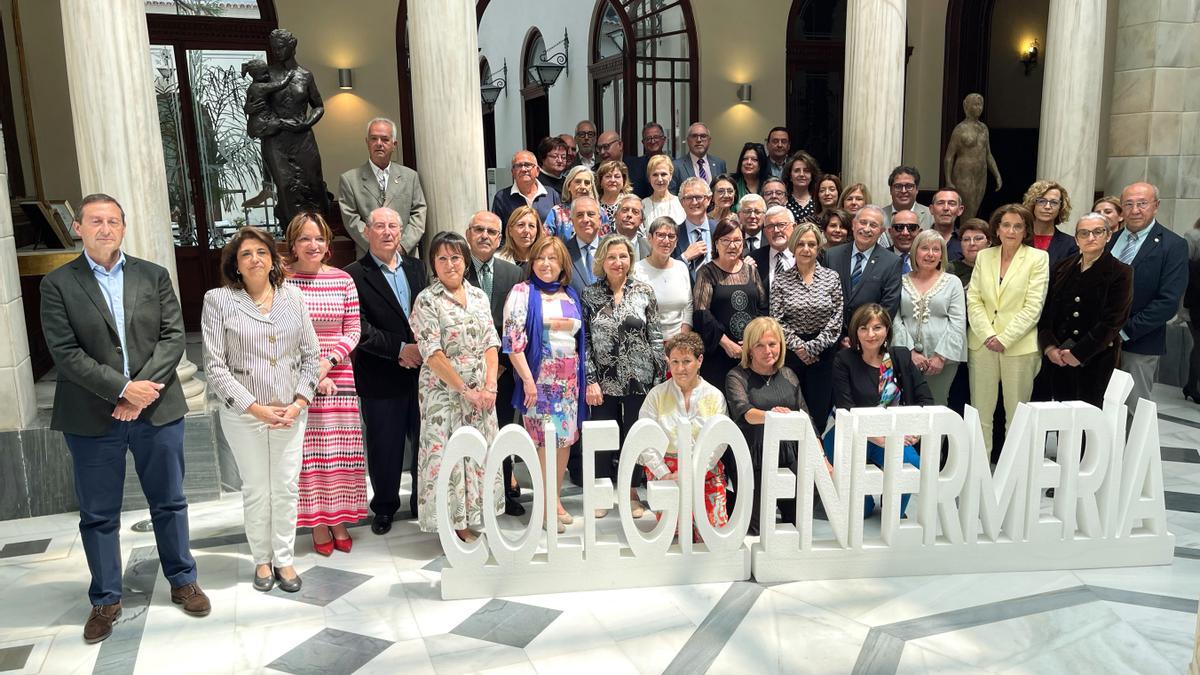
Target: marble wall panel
(1177, 45)
(1191, 96)
(1132, 91)
(20, 406)
(1189, 177)
(14, 348)
(1122, 171)
(1164, 134)
(1135, 46)
(1185, 11)
(14, 488)
(1133, 12)
(49, 471)
(1189, 133)
(1164, 172)
(1187, 211)
(1129, 135)
(1169, 84)
(201, 479)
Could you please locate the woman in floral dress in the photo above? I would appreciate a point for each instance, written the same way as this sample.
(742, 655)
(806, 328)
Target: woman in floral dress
(333, 483)
(544, 335)
(452, 321)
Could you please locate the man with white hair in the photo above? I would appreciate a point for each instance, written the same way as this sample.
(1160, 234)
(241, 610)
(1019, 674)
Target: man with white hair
(695, 245)
(628, 223)
(751, 210)
(774, 259)
(696, 162)
(382, 182)
(870, 273)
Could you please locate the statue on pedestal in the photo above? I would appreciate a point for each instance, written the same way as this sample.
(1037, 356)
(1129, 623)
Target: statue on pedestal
(969, 157)
(281, 108)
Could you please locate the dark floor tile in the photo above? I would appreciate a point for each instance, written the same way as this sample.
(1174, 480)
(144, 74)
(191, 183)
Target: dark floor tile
(330, 652)
(14, 658)
(436, 565)
(1183, 501)
(1189, 455)
(508, 623)
(19, 548)
(323, 585)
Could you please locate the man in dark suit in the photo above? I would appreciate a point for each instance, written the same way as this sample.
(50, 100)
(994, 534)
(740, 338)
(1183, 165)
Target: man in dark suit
(653, 140)
(113, 326)
(611, 148)
(526, 190)
(694, 244)
(496, 278)
(774, 258)
(697, 162)
(585, 218)
(382, 182)
(386, 362)
(1159, 258)
(869, 272)
(905, 226)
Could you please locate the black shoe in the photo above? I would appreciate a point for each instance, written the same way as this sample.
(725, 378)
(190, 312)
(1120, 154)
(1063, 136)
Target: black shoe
(513, 508)
(288, 585)
(263, 584)
(381, 524)
(1191, 395)
(512, 492)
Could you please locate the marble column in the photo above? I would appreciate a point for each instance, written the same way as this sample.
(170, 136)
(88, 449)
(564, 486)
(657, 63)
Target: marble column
(873, 99)
(1072, 90)
(447, 114)
(16, 371)
(116, 131)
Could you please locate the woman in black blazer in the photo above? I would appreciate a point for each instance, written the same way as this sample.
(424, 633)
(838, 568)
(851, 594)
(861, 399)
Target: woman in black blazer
(873, 373)
(1086, 306)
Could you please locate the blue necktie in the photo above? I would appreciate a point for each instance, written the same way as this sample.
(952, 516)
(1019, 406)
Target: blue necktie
(587, 262)
(858, 268)
(1127, 252)
(906, 268)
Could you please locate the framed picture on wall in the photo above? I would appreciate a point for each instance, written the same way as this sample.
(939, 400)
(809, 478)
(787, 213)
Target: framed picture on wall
(65, 215)
(45, 220)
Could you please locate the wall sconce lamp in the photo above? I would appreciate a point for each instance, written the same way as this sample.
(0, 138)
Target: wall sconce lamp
(345, 78)
(491, 90)
(1029, 57)
(546, 69)
(743, 93)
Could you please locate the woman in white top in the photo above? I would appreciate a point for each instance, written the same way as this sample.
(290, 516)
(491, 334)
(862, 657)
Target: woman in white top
(933, 315)
(661, 202)
(669, 277)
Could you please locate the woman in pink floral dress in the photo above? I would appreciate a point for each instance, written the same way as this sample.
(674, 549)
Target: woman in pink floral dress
(452, 321)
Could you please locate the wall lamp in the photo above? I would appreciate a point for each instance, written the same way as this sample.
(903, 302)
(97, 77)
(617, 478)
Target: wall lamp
(491, 90)
(743, 93)
(546, 69)
(345, 78)
(1029, 56)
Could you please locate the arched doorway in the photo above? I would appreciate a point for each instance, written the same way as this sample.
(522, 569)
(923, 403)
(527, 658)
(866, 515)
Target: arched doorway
(816, 57)
(213, 167)
(536, 108)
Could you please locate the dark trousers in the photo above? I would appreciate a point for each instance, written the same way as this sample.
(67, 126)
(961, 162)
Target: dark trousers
(816, 383)
(506, 414)
(99, 465)
(387, 423)
(624, 411)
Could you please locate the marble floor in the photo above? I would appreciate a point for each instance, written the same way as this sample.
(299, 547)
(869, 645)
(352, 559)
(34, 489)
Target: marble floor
(378, 610)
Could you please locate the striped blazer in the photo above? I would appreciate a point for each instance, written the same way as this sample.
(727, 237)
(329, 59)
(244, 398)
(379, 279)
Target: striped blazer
(251, 357)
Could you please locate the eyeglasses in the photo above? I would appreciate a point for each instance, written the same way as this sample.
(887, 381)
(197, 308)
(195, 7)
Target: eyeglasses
(585, 134)
(730, 242)
(694, 198)
(975, 240)
(752, 212)
(455, 260)
(725, 192)
(778, 226)
(774, 193)
(606, 146)
(906, 227)
(665, 236)
(1042, 201)
(699, 137)
(485, 230)
(1138, 205)
(653, 139)
(1097, 233)
(904, 187)
(523, 166)
(562, 156)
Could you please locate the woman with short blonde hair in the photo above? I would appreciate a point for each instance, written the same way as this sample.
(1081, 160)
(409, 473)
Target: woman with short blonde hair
(661, 202)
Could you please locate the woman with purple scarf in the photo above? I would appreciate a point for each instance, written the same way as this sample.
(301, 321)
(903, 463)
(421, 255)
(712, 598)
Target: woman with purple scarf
(544, 337)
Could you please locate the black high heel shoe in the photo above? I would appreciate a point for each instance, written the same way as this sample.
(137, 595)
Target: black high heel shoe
(1191, 394)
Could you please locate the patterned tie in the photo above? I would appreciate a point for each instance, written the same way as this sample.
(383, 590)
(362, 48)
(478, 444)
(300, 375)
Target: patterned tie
(779, 267)
(485, 278)
(700, 169)
(383, 179)
(858, 268)
(587, 261)
(1130, 244)
(699, 234)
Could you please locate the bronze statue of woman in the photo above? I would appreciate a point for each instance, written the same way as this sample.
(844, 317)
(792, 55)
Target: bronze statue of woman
(969, 158)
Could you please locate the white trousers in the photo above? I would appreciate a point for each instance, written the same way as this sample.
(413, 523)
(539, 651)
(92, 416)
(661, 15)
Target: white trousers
(269, 463)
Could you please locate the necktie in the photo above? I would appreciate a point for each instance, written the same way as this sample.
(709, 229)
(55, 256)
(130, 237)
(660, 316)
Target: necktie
(587, 261)
(905, 267)
(700, 169)
(779, 268)
(485, 278)
(752, 242)
(858, 268)
(1127, 252)
(699, 236)
(383, 178)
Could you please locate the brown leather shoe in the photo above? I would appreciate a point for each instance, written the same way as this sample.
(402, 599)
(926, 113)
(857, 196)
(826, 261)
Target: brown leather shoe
(100, 622)
(194, 601)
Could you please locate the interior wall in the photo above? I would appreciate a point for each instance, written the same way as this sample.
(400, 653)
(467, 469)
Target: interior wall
(1013, 99)
(364, 40)
(923, 89)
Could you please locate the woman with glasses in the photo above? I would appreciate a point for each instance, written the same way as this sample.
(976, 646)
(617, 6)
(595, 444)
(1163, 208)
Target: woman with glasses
(932, 322)
(752, 169)
(579, 182)
(523, 230)
(829, 188)
(1050, 205)
(724, 193)
(668, 277)
(1086, 307)
(802, 170)
(452, 323)
(974, 235)
(1004, 302)
(728, 294)
(661, 202)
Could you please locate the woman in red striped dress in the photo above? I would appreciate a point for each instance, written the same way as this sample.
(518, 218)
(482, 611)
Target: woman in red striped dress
(333, 487)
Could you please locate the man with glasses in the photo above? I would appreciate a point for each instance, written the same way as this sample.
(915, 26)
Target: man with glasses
(775, 192)
(653, 141)
(869, 272)
(904, 182)
(381, 182)
(526, 190)
(585, 145)
(697, 162)
(694, 245)
(569, 141)
(904, 230)
(1159, 258)
(496, 277)
(611, 148)
(774, 259)
(947, 206)
(552, 162)
(751, 210)
(779, 146)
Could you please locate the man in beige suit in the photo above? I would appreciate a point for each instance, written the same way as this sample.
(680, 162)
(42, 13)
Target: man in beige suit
(382, 182)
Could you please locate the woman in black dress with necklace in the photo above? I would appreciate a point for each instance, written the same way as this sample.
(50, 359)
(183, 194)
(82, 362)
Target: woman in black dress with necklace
(727, 295)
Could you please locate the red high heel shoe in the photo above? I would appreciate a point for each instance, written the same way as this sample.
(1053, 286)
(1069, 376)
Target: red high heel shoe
(343, 545)
(325, 549)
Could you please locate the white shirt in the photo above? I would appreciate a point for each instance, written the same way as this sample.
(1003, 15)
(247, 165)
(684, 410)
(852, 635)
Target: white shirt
(696, 161)
(789, 261)
(673, 291)
(381, 177)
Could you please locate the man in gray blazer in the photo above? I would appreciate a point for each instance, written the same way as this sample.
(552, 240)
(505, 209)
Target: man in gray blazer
(870, 273)
(697, 162)
(496, 277)
(113, 326)
(382, 182)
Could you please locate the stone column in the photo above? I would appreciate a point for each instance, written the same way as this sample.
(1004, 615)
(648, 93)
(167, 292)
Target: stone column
(116, 131)
(873, 117)
(1072, 91)
(447, 115)
(16, 371)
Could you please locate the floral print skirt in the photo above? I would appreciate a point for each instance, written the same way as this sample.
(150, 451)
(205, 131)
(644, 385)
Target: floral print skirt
(557, 402)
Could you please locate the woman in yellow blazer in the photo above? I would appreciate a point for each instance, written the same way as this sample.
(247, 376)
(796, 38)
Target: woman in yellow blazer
(1004, 302)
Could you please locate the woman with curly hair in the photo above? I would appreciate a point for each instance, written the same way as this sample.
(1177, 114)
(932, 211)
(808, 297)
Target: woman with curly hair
(1050, 205)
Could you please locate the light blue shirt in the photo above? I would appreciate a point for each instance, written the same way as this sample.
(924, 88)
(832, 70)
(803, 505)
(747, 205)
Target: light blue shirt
(1123, 241)
(705, 236)
(112, 287)
(398, 282)
(866, 255)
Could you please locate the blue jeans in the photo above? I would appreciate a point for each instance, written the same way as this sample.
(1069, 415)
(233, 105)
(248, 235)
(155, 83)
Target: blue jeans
(875, 456)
